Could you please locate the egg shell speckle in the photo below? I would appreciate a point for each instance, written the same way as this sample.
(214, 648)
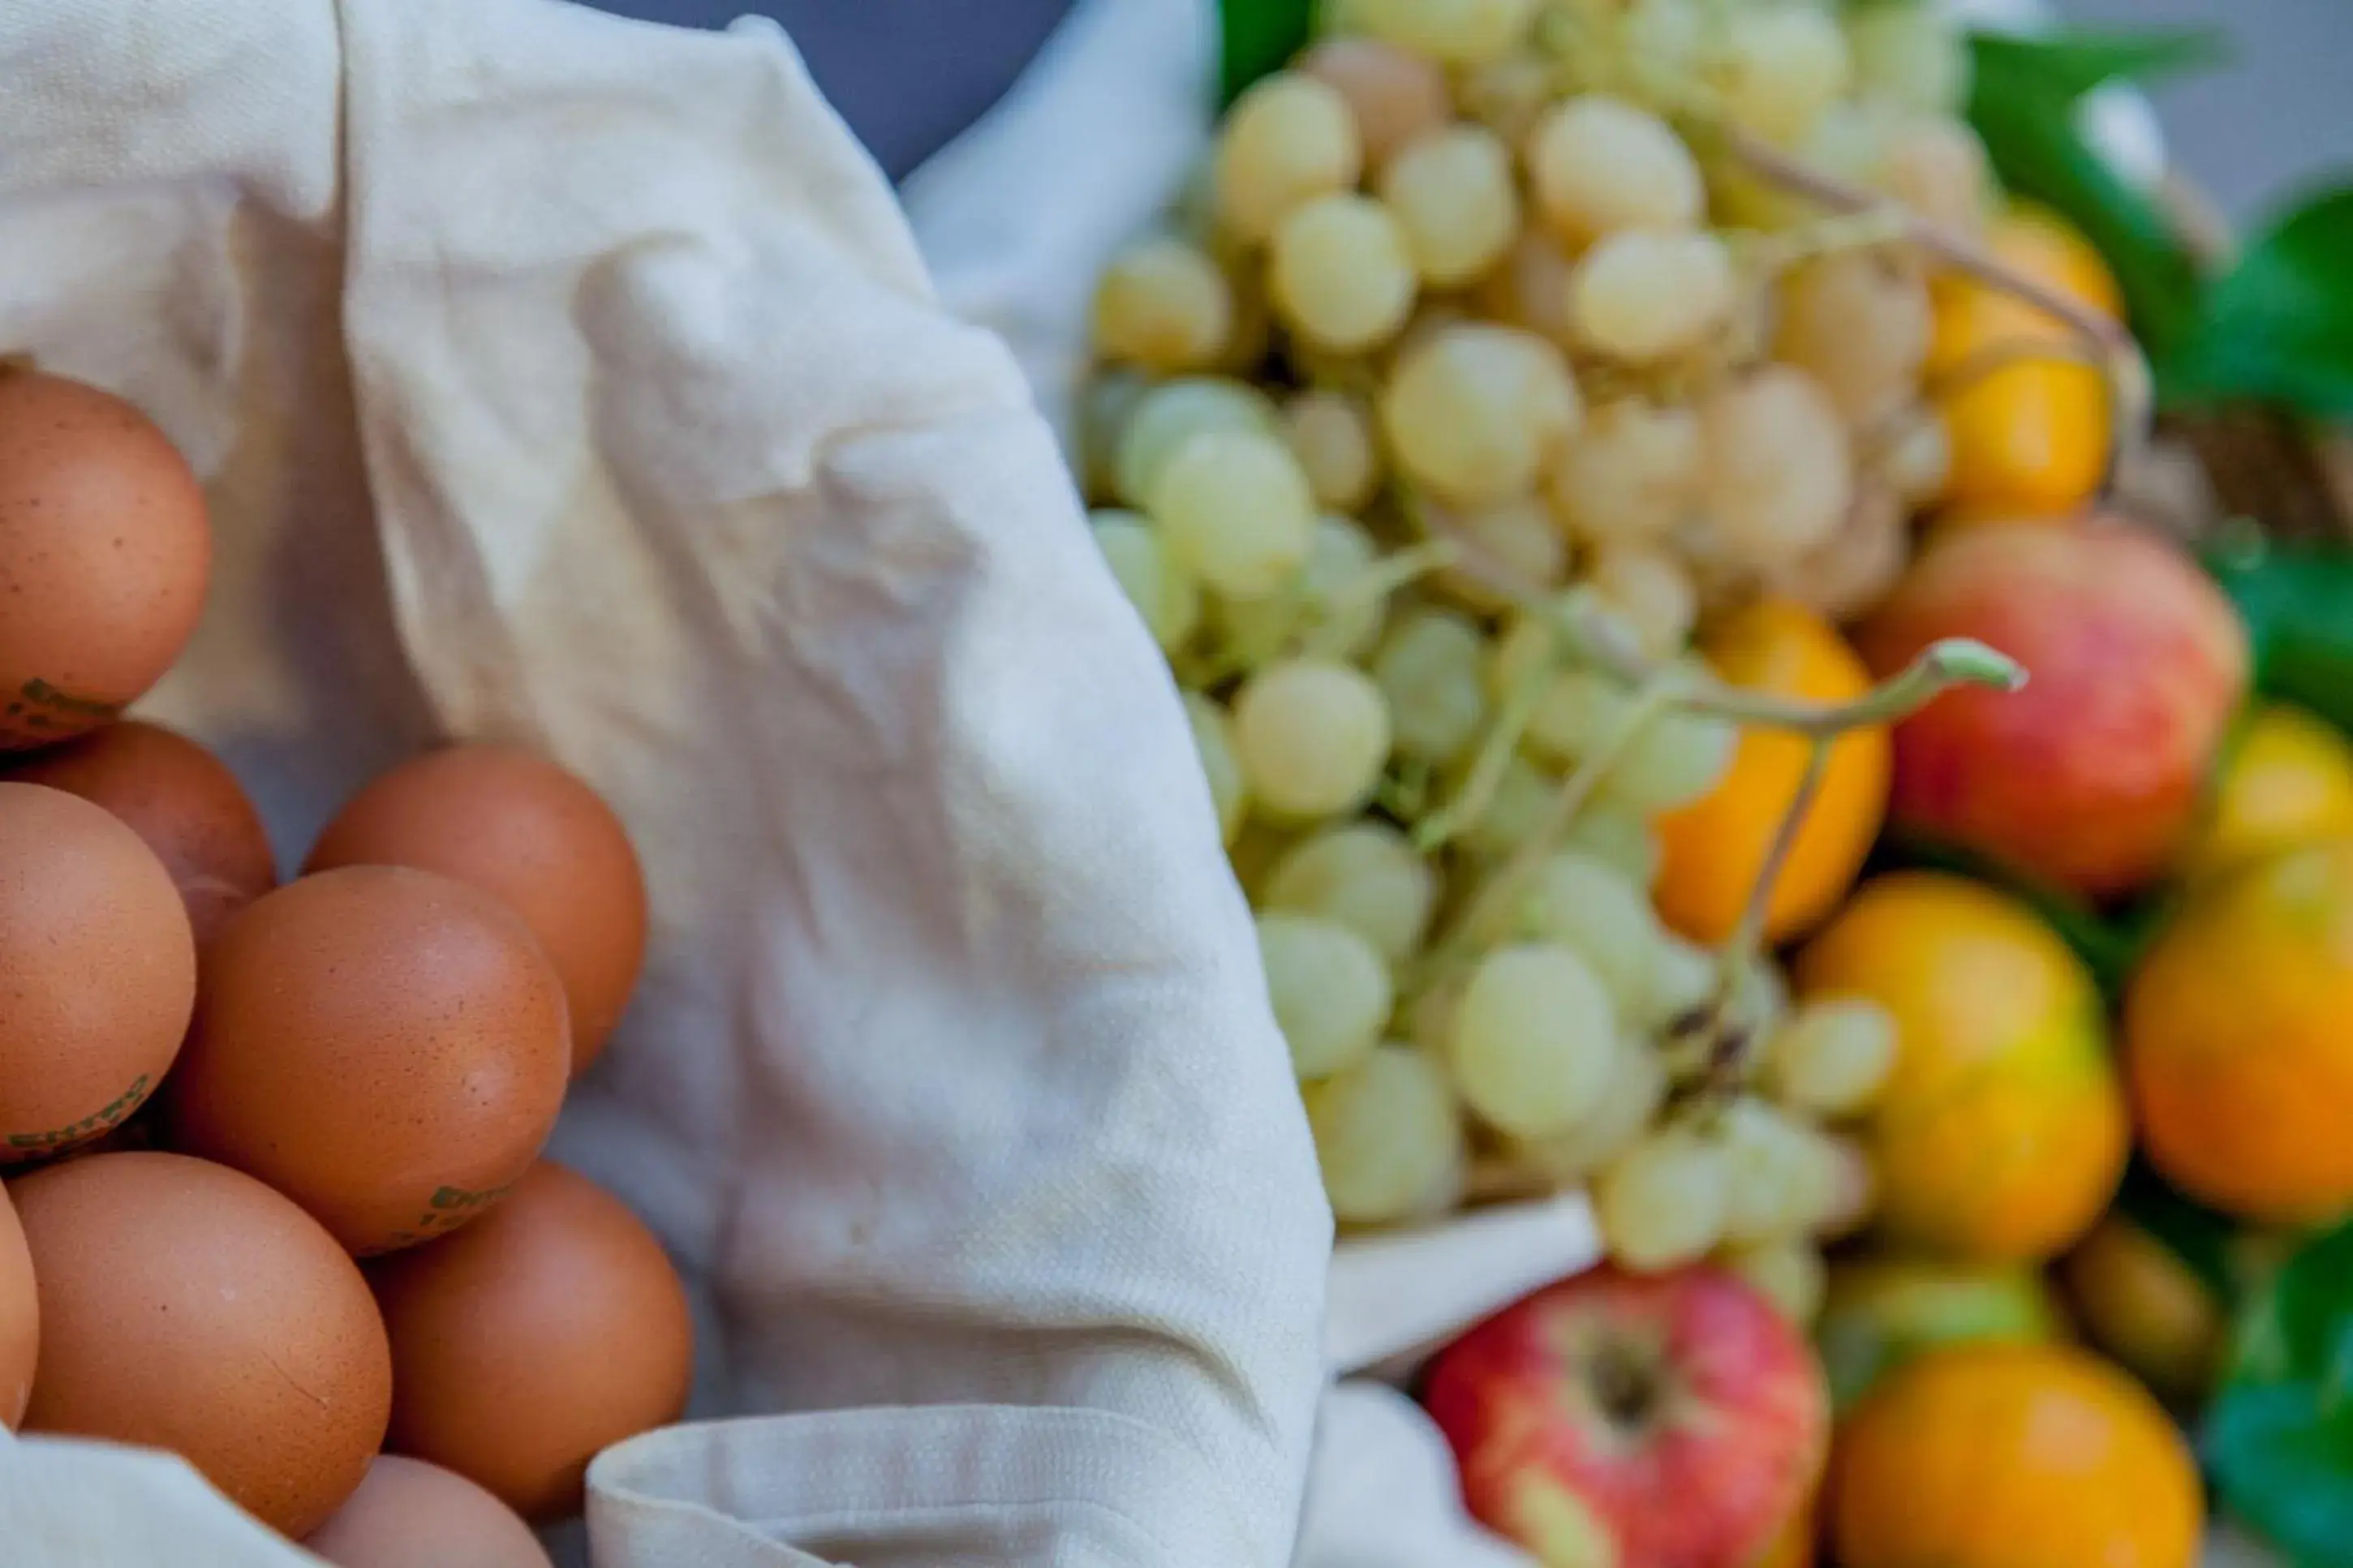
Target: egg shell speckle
(386, 1046)
(513, 823)
(98, 972)
(410, 1514)
(181, 800)
(105, 551)
(188, 1308)
(532, 1340)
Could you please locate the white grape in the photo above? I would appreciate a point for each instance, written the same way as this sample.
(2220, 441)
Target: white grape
(1324, 598)
(1851, 1187)
(1163, 305)
(1341, 273)
(1329, 989)
(1590, 907)
(1833, 1055)
(1235, 510)
(1161, 419)
(1517, 538)
(1529, 287)
(1649, 590)
(1365, 876)
(1637, 1089)
(1395, 94)
(1331, 433)
(1213, 739)
(1508, 96)
(1388, 1137)
(1937, 166)
(1787, 1273)
(1578, 711)
(1632, 473)
(1311, 735)
(1780, 472)
(1910, 54)
(1523, 800)
(1858, 566)
(1859, 323)
(1778, 66)
(1683, 979)
(1105, 408)
(1674, 760)
(1287, 140)
(1662, 1204)
(1642, 297)
(1617, 836)
(1429, 668)
(1535, 1039)
(1452, 195)
(1600, 165)
(1661, 45)
(1916, 462)
(1767, 1153)
(1457, 32)
(1476, 412)
(1163, 593)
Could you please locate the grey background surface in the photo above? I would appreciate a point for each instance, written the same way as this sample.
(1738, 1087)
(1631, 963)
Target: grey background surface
(909, 74)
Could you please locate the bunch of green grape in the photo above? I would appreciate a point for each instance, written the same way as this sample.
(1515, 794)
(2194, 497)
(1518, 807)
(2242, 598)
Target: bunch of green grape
(1474, 312)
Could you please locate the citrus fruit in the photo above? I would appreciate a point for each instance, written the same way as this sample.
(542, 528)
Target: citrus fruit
(2240, 1062)
(2006, 1455)
(1714, 847)
(2032, 435)
(2001, 1133)
(2287, 779)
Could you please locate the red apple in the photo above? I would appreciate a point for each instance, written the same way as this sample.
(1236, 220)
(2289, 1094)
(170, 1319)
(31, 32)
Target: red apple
(1659, 1421)
(2091, 777)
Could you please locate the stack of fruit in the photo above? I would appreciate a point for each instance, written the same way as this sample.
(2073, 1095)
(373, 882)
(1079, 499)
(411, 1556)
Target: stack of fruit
(1520, 444)
(1489, 364)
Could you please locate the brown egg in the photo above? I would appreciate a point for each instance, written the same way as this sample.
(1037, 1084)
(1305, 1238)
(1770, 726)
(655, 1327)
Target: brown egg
(513, 823)
(534, 1338)
(21, 1317)
(188, 1308)
(104, 554)
(98, 971)
(385, 1046)
(178, 797)
(410, 1514)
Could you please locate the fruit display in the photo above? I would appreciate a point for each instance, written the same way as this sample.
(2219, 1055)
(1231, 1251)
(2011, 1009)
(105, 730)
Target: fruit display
(1597, 469)
(295, 1221)
(1494, 447)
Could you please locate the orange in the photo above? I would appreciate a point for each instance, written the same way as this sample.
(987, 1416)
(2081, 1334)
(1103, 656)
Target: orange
(2237, 1044)
(2032, 437)
(2001, 1133)
(2287, 779)
(1712, 849)
(2007, 1456)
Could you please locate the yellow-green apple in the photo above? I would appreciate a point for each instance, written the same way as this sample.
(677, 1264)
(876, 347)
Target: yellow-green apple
(1880, 1312)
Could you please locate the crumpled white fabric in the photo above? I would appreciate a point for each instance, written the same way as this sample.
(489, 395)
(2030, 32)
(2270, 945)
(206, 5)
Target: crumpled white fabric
(567, 379)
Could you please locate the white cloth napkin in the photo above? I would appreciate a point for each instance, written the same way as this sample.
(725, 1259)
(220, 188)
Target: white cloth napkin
(573, 380)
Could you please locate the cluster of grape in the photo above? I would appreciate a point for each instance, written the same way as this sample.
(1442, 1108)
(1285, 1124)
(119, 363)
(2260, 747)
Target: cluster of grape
(1477, 330)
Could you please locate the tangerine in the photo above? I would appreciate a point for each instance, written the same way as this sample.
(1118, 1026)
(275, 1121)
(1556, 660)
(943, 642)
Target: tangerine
(2240, 1064)
(1713, 849)
(2012, 1455)
(2001, 1134)
(2287, 779)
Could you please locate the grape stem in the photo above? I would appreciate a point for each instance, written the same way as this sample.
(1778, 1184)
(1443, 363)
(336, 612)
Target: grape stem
(2132, 390)
(1373, 586)
(1469, 803)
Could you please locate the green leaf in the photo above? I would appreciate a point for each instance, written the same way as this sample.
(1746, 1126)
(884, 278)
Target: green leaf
(2025, 99)
(1261, 37)
(2297, 602)
(2279, 326)
(2279, 1438)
